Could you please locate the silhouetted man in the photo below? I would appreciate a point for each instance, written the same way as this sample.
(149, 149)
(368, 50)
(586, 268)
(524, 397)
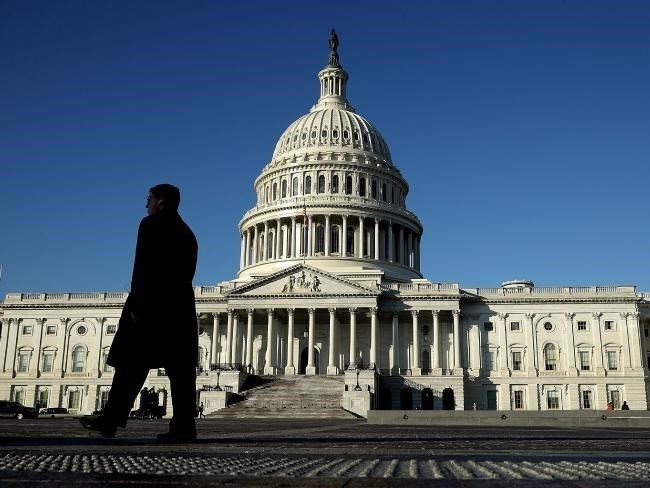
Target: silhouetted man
(158, 327)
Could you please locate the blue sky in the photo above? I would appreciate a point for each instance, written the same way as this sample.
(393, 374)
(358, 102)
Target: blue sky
(523, 128)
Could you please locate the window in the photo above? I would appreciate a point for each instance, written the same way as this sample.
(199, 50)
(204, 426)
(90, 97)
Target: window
(550, 357)
(587, 399)
(48, 362)
(275, 191)
(23, 362)
(335, 184)
(320, 239)
(348, 185)
(518, 402)
(383, 192)
(43, 397)
(308, 185)
(516, 360)
(612, 360)
(615, 398)
(111, 329)
(490, 360)
(266, 193)
(349, 241)
(392, 194)
(19, 396)
(295, 186)
(548, 326)
(321, 184)
(645, 331)
(491, 399)
(582, 325)
(81, 330)
(78, 359)
(27, 329)
(609, 325)
(515, 327)
(106, 368)
(553, 400)
(488, 326)
(103, 399)
(50, 330)
(283, 191)
(74, 400)
(334, 238)
(362, 187)
(374, 189)
(584, 360)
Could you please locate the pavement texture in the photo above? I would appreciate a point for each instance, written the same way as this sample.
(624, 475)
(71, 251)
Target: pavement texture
(337, 453)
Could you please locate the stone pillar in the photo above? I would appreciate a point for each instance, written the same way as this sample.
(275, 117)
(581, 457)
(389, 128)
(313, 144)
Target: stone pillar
(456, 314)
(634, 331)
(530, 343)
(344, 240)
(373, 338)
(391, 251)
(436, 341)
(327, 235)
(229, 337)
(394, 355)
(376, 238)
(249, 339)
(331, 365)
(241, 252)
(409, 258)
(269, 367)
(290, 368)
(311, 368)
(4, 340)
(248, 248)
(100, 340)
(294, 241)
(353, 338)
(215, 338)
(64, 342)
(234, 349)
(361, 237)
(570, 344)
(598, 342)
(309, 248)
(503, 345)
(474, 344)
(400, 245)
(265, 249)
(415, 367)
(277, 239)
(256, 242)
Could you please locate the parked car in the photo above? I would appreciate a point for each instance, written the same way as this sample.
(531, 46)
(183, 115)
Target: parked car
(17, 410)
(54, 412)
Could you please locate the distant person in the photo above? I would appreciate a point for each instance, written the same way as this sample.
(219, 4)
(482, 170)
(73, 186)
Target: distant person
(625, 406)
(610, 406)
(158, 327)
(200, 411)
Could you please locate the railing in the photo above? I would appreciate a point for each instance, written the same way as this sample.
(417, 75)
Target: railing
(554, 290)
(65, 297)
(417, 287)
(230, 367)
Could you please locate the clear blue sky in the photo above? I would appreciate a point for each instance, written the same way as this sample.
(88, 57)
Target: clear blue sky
(523, 128)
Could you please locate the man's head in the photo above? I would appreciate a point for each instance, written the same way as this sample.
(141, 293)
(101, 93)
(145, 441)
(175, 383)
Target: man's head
(163, 197)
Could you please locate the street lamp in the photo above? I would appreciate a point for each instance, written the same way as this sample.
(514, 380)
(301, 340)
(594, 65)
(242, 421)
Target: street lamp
(357, 388)
(218, 388)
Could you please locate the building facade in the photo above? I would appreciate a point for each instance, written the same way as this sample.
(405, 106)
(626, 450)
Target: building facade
(330, 284)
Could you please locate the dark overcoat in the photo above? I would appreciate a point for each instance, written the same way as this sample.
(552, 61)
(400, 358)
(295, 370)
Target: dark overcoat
(161, 300)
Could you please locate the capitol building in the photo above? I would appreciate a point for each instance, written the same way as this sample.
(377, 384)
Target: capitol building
(329, 285)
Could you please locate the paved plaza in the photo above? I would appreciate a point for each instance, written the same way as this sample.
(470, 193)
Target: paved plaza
(289, 452)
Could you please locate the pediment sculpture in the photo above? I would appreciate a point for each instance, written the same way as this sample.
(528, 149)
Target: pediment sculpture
(298, 282)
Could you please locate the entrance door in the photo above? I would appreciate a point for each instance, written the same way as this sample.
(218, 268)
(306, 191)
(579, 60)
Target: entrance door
(448, 402)
(302, 366)
(427, 399)
(405, 399)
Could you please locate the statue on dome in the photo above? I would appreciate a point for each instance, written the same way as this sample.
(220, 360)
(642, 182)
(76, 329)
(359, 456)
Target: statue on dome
(334, 41)
(334, 55)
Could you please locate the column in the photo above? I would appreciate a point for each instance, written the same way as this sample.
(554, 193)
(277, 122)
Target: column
(241, 252)
(331, 365)
(234, 350)
(409, 257)
(344, 240)
(100, 339)
(436, 340)
(570, 344)
(311, 368)
(400, 245)
(265, 249)
(229, 337)
(376, 238)
(269, 367)
(215, 338)
(248, 248)
(256, 241)
(4, 341)
(634, 331)
(327, 235)
(249, 340)
(361, 237)
(64, 342)
(353, 338)
(390, 242)
(277, 239)
(503, 345)
(456, 314)
(530, 342)
(290, 368)
(394, 353)
(373, 338)
(293, 237)
(598, 342)
(475, 344)
(415, 367)
(309, 247)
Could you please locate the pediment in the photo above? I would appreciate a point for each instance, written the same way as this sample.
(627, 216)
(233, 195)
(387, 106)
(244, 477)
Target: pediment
(302, 280)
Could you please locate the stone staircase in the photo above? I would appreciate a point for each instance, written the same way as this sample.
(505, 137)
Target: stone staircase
(305, 397)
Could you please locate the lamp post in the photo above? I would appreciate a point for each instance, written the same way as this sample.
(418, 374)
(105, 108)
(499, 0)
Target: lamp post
(218, 388)
(357, 388)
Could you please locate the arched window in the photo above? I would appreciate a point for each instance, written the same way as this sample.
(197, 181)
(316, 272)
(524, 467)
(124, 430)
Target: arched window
(350, 240)
(284, 189)
(362, 187)
(321, 184)
(334, 238)
(392, 194)
(335, 184)
(374, 189)
(383, 192)
(269, 245)
(294, 190)
(307, 185)
(320, 239)
(266, 194)
(348, 185)
(275, 191)
(79, 359)
(550, 357)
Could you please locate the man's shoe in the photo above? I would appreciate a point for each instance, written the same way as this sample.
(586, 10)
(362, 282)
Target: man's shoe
(100, 425)
(172, 437)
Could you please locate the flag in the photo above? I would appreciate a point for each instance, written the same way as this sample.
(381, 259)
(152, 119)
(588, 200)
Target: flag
(304, 213)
